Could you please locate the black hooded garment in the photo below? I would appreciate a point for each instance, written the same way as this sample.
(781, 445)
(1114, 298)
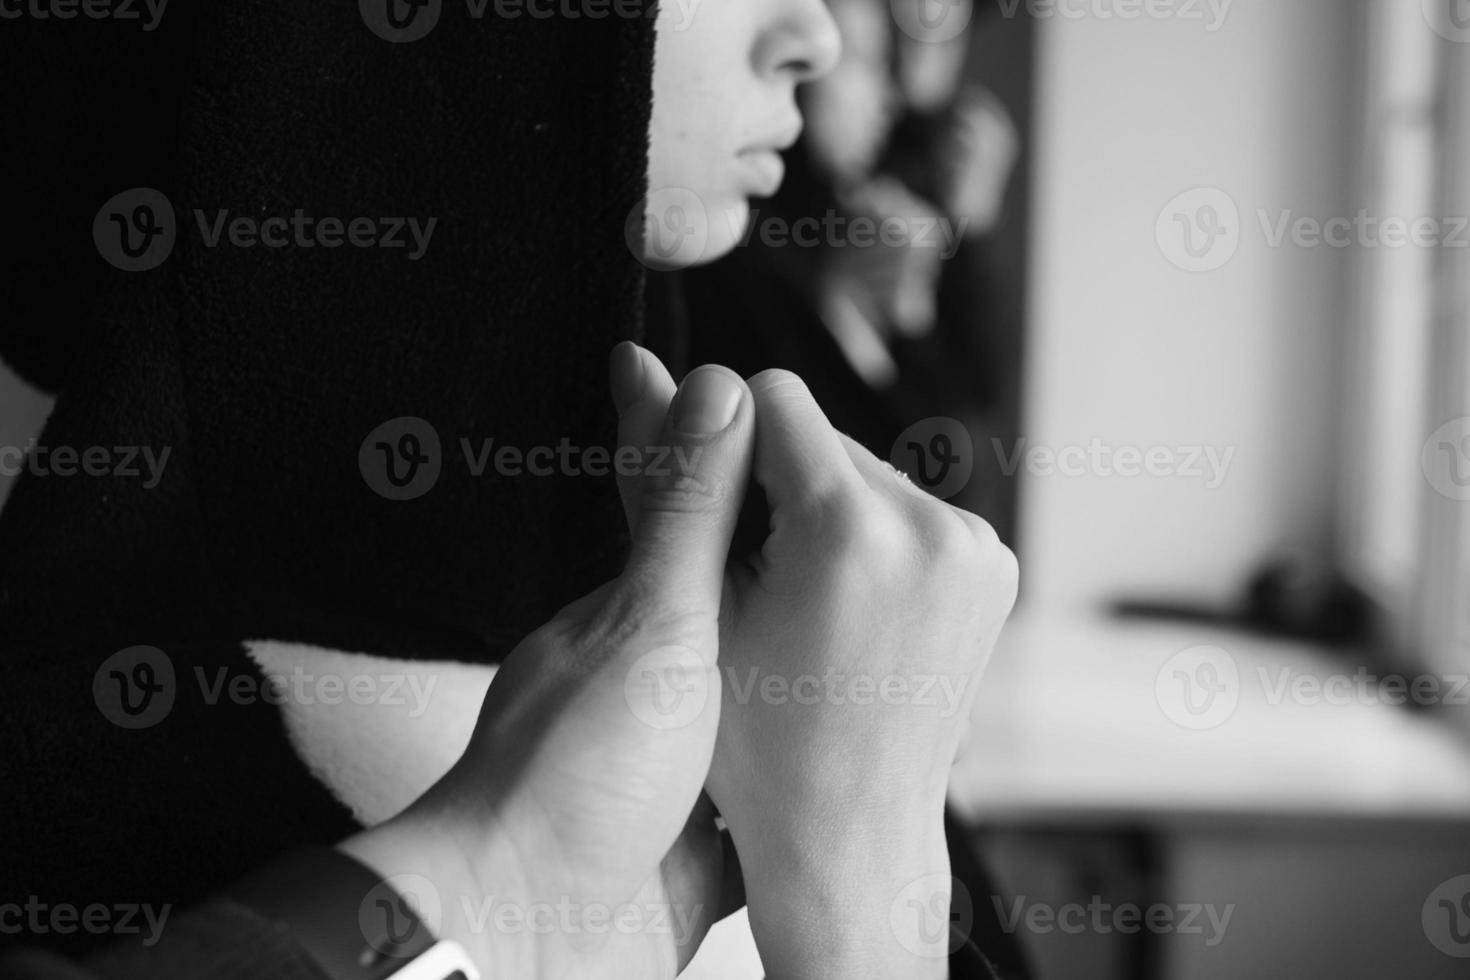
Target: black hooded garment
(263, 370)
(274, 377)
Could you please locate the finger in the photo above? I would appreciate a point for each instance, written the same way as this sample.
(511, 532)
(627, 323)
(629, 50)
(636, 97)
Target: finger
(642, 391)
(800, 459)
(689, 498)
(869, 467)
(879, 475)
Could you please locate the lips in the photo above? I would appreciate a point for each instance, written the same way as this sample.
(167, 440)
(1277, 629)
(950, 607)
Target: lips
(783, 135)
(765, 170)
(762, 158)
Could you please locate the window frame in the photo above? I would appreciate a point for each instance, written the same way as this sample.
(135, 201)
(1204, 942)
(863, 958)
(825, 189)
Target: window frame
(1419, 614)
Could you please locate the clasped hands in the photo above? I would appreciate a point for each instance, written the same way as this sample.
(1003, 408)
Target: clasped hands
(816, 691)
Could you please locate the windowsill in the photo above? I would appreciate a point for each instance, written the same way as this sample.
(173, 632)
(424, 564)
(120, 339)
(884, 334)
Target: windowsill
(1068, 727)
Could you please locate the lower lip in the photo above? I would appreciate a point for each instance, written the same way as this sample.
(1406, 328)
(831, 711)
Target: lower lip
(766, 169)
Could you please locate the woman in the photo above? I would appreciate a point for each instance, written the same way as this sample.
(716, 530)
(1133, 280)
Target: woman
(575, 789)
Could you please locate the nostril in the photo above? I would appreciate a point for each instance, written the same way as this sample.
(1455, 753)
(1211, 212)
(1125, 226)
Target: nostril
(802, 68)
(805, 46)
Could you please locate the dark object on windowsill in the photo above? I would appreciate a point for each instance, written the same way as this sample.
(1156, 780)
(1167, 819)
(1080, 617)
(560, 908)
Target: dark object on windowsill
(1292, 595)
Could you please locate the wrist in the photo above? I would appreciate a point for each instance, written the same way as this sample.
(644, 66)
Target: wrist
(451, 881)
(851, 901)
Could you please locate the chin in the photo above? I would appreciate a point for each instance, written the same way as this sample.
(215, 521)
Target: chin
(683, 229)
(727, 230)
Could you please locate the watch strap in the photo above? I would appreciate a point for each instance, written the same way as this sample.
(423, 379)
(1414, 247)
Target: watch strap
(351, 923)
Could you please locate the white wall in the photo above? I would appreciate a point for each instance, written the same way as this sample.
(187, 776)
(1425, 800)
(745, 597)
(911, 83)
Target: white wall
(1128, 348)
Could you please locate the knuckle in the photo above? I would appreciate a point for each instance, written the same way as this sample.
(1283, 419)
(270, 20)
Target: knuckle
(861, 545)
(691, 493)
(993, 552)
(780, 392)
(980, 529)
(963, 544)
(945, 535)
(775, 379)
(864, 530)
(1009, 572)
(835, 511)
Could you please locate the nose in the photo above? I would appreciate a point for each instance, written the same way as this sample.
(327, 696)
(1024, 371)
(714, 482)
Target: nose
(801, 43)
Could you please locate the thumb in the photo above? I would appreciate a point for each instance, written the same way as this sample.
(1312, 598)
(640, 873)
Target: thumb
(689, 495)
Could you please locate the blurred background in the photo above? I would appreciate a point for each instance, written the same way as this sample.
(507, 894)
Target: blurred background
(1175, 293)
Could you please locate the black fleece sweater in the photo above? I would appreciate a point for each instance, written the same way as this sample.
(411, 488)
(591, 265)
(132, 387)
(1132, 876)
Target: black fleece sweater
(263, 371)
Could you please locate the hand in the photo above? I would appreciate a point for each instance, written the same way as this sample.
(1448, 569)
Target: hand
(979, 157)
(578, 800)
(894, 284)
(851, 646)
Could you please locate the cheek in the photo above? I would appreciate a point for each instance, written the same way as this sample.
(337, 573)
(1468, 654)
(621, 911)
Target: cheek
(689, 135)
(697, 100)
(675, 143)
(705, 97)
